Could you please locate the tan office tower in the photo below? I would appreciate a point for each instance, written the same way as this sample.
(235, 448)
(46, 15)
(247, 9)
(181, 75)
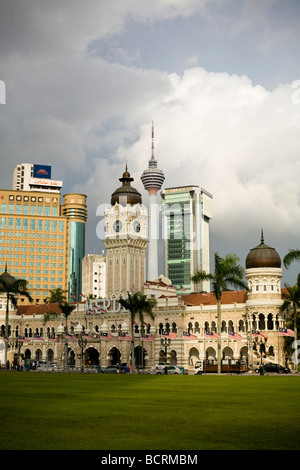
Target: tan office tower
(42, 241)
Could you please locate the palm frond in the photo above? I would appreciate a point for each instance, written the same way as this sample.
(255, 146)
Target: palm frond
(292, 255)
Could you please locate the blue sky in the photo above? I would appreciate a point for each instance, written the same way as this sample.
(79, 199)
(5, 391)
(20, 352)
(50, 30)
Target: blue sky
(85, 80)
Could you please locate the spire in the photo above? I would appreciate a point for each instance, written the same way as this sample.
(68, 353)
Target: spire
(152, 153)
(262, 236)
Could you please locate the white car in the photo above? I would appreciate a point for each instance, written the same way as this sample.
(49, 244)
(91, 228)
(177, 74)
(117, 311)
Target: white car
(161, 366)
(170, 370)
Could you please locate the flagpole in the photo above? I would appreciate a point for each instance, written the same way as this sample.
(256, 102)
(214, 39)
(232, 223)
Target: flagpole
(204, 358)
(278, 341)
(228, 354)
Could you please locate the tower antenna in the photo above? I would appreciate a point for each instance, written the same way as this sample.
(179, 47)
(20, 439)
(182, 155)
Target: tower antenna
(152, 148)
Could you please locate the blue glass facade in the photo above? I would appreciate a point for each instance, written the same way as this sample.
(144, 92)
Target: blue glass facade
(76, 255)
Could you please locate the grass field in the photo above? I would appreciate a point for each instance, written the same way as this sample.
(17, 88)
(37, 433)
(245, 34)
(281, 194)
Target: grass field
(53, 411)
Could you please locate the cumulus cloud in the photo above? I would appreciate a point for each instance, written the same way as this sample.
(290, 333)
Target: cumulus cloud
(238, 141)
(87, 114)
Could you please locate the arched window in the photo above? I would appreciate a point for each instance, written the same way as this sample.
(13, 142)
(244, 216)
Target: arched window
(261, 325)
(270, 323)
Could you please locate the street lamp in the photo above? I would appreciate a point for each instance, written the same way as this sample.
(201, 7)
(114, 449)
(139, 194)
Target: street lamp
(18, 345)
(82, 342)
(165, 342)
(260, 346)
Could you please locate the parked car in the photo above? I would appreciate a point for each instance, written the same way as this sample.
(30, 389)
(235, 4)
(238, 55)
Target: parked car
(275, 368)
(124, 368)
(161, 366)
(110, 370)
(170, 370)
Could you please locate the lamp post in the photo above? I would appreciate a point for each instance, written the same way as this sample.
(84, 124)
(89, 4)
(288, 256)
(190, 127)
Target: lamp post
(82, 342)
(18, 346)
(262, 348)
(165, 342)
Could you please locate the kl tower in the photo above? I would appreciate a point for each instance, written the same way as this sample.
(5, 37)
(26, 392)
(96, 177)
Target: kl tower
(153, 179)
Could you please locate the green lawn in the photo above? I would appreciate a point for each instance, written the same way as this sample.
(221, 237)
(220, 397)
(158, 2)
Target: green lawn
(51, 411)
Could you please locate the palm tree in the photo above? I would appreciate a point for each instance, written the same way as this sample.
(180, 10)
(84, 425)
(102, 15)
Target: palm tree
(12, 288)
(291, 302)
(292, 255)
(227, 272)
(66, 309)
(56, 296)
(137, 304)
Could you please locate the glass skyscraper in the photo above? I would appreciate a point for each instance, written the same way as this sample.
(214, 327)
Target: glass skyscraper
(186, 213)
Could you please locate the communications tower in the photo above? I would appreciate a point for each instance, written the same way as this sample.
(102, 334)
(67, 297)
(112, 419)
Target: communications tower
(153, 179)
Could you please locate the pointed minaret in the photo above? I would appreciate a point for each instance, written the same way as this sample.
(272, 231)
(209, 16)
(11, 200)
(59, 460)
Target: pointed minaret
(153, 179)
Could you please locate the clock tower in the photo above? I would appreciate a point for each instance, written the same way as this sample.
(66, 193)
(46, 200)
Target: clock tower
(125, 240)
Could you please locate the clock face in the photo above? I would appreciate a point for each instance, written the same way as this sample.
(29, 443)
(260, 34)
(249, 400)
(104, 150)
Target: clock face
(117, 226)
(137, 226)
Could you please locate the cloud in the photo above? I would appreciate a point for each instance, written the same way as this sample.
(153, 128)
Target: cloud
(68, 106)
(238, 141)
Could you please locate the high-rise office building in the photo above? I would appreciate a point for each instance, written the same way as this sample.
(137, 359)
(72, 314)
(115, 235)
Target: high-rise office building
(94, 276)
(33, 177)
(42, 241)
(186, 215)
(153, 179)
(74, 209)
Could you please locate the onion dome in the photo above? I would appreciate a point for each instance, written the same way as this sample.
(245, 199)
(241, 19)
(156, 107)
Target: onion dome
(263, 256)
(6, 279)
(126, 194)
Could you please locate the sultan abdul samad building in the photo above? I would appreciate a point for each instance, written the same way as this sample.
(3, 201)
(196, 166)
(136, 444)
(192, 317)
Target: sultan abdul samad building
(99, 330)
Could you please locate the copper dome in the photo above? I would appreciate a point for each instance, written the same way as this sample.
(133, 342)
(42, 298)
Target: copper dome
(6, 279)
(263, 256)
(126, 194)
